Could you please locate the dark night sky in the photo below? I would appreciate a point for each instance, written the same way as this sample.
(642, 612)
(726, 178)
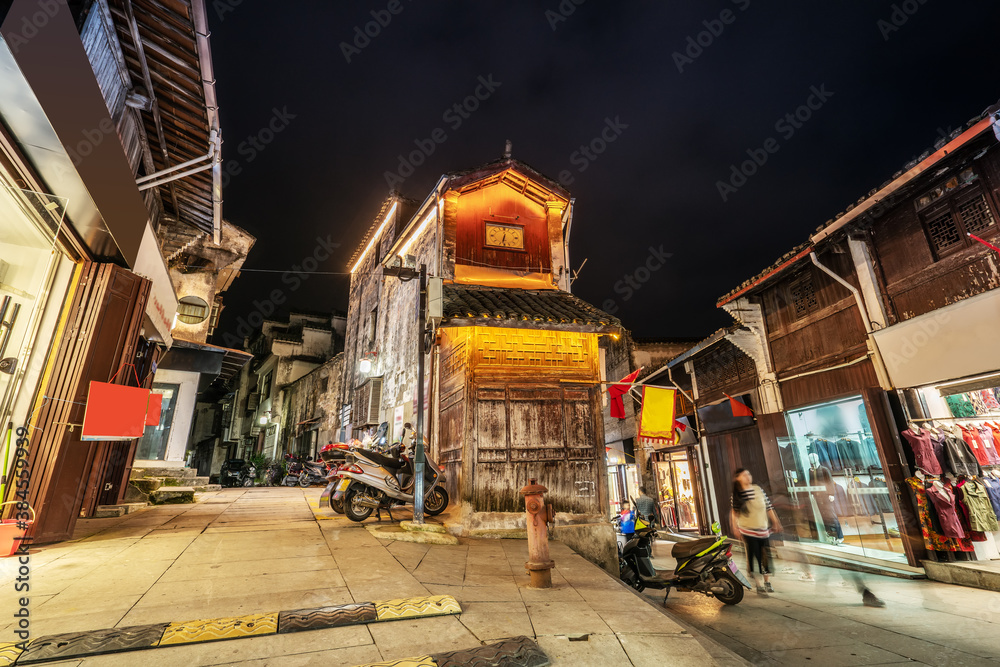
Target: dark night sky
(655, 185)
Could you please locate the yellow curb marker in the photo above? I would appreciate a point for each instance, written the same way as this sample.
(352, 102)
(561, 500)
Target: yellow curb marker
(9, 652)
(420, 661)
(432, 605)
(236, 627)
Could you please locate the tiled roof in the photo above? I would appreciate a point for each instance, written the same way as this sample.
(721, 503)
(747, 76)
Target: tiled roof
(794, 254)
(504, 305)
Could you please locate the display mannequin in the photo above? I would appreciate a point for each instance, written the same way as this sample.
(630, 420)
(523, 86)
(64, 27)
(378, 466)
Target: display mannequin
(821, 476)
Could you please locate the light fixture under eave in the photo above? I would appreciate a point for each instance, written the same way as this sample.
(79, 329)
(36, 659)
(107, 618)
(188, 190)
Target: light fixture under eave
(365, 366)
(378, 232)
(416, 234)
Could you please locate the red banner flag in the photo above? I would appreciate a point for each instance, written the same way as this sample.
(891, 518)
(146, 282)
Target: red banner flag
(616, 391)
(738, 407)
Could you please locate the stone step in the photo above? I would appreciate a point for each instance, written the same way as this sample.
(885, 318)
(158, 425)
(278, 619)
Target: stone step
(208, 487)
(108, 511)
(181, 481)
(178, 473)
(172, 495)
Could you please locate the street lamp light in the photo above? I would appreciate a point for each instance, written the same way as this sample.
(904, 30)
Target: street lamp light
(365, 366)
(263, 421)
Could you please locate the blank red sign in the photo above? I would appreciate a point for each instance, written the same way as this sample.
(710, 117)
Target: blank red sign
(115, 412)
(154, 409)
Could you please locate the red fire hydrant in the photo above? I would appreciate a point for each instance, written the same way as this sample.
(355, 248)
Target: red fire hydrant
(539, 566)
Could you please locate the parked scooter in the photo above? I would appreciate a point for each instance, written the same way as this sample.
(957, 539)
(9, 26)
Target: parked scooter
(371, 481)
(237, 472)
(293, 468)
(703, 566)
(313, 472)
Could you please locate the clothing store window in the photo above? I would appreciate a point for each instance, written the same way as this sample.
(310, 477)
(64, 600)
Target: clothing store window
(838, 494)
(675, 480)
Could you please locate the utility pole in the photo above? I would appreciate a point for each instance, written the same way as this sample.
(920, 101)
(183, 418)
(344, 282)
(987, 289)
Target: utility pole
(418, 453)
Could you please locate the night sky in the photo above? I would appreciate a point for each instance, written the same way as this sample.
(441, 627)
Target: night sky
(890, 76)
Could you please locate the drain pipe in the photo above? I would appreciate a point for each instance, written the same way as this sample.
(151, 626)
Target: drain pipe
(873, 350)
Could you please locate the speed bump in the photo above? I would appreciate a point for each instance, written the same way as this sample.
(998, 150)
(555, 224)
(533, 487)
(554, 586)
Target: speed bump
(9, 652)
(135, 638)
(252, 625)
(420, 661)
(432, 605)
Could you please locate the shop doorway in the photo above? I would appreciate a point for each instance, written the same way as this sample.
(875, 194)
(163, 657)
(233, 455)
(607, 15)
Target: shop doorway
(676, 475)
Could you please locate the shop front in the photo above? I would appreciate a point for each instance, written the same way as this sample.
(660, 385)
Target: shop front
(675, 471)
(623, 479)
(946, 364)
(838, 493)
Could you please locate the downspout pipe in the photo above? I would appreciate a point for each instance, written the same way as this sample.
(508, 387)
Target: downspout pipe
(880, 369)
(569, 229)
(199, 13)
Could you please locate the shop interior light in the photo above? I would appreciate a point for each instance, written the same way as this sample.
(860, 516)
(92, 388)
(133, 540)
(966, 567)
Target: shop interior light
(378, 232)
(968, 380)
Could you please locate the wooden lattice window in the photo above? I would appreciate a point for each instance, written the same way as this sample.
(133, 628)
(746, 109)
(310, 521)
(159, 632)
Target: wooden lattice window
(802, 293)
(953, 210)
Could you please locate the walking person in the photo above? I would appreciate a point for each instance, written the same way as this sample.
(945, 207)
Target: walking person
(754, 517)
(646, 506)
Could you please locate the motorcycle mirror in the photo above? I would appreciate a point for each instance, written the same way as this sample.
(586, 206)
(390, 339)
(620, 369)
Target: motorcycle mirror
(716, 529)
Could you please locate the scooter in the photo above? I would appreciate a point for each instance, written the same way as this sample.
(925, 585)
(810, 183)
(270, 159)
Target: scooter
(313, 472)
(333, 478)
(371, 481)
(293, 467)
(703, 566)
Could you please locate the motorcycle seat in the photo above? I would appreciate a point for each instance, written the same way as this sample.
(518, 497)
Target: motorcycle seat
(384, 461)
(688, 549)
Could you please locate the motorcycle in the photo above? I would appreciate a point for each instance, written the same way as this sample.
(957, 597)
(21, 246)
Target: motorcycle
(370, 481)
(313, 472)
(293, 467)
(703, 566)
(237, 472)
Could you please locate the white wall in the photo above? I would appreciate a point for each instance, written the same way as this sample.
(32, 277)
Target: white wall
(180, 427)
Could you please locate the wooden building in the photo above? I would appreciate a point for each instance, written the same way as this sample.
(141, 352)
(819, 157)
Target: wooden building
(891, 298)
(515, 361)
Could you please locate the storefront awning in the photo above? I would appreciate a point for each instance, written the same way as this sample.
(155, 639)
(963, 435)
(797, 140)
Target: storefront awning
(956, 341)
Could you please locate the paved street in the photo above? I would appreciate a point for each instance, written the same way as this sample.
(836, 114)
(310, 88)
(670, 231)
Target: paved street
(239, 552)
(823, 623)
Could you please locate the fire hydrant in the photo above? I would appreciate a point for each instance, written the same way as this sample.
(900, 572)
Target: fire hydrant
(539, 566)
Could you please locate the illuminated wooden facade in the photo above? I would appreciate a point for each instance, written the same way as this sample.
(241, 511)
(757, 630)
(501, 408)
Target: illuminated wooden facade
(514, 374)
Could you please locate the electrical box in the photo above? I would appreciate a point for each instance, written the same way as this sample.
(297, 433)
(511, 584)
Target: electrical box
(435, 299)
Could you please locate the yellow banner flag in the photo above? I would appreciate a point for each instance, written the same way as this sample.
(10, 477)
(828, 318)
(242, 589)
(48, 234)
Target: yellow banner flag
(657, 417)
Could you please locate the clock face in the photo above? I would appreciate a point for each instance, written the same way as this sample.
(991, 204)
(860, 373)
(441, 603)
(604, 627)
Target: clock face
(504, 236)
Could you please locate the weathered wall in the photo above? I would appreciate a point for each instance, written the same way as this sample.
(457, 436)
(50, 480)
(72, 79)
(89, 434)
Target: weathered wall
(314, 396)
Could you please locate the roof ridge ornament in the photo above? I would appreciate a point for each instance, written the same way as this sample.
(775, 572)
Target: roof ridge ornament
(507, 148)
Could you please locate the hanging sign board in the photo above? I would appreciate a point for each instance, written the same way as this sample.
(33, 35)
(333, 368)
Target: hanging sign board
(154, 409)
(115, 412)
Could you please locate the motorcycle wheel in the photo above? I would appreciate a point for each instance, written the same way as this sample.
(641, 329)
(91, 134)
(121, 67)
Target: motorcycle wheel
(733, 592)
(355, 512)
(437, 502)
(337, 505)
(248, 482)
(304, 481)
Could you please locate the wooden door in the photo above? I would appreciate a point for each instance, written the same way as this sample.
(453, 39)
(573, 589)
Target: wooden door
(547, 432)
